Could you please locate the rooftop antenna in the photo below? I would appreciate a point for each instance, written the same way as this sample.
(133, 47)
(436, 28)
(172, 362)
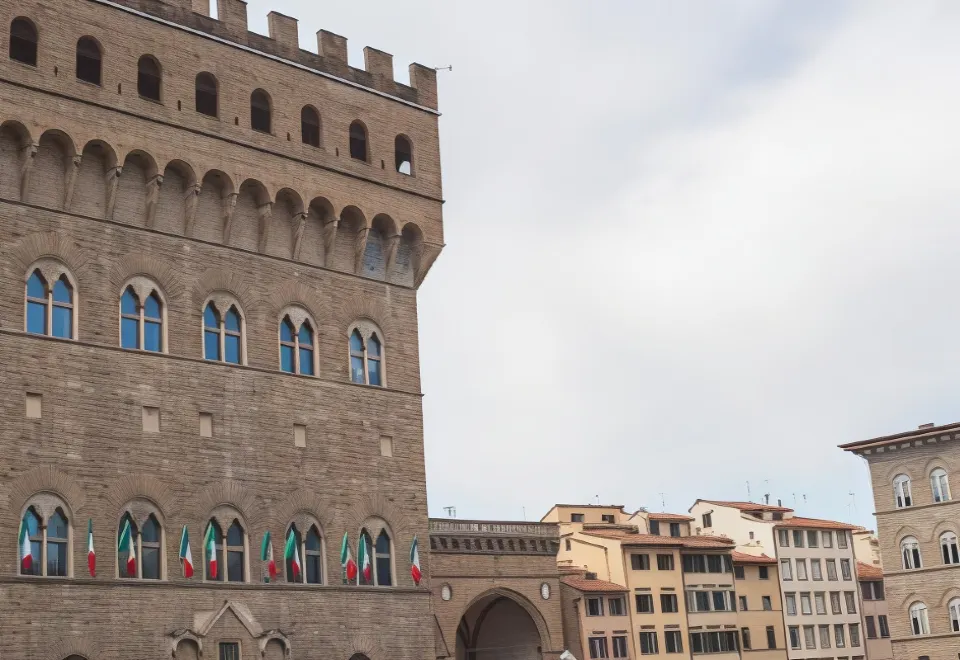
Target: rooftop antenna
(598, 499)
(794, 499)
(443, 68)
(451, 511)
(749, 498)
(524, 514)
(804, 498)
(853, 503)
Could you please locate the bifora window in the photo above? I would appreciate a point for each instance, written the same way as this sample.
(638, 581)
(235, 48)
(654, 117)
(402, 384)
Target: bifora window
(44, 549)
(223, 334)
(229, 554)
(901, 491)
(296, 347)
(910, 550)
(141, 323)
(50, 309)
(138, 553)
(366, 358)
(919, 623)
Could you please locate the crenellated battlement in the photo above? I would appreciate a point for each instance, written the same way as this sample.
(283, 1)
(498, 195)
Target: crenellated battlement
(283, 42)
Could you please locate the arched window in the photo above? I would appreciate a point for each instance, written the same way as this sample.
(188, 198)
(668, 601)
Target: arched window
(919, 622)
(31, 531)
(207, 102)
(296, 347)
(910, 549)
(292, 575)
(948, 547)
(366, 358)
(954, 609)
(940, 485)
(145, 562)
(223, 334)
(148, 78)
(58, 541)
(89, 60)
(45, 536)
(384, 562)
(23, 41)
(901, 491)
(403, 155)
(150, 550)
(310, 126)
(358, 142)
(141, 325)
(313, 557)
(50, 308)
(127, 553)
(364, 555)
(230, 553)
(260, 111)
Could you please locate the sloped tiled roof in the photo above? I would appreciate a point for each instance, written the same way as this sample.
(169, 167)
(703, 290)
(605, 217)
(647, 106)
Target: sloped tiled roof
(748, 506)
(868, 572)
(593, 586)
(814, 523)
(627, 538)
(744, 558)
(672, 517)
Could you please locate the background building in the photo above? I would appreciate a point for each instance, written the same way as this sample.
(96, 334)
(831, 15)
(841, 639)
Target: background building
(210, 248)
(918, 521)
(876, 624)
(759, 609)
(596, 618)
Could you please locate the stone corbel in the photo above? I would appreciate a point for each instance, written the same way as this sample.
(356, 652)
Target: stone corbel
(265, 212)
(424, 255)
(113, 181)
(26, 168)
(153, 196)
(359, 249)
(229, 206)
(299, 226)
(390, 245)
(329, 238)
(73, 171)
(190, 199)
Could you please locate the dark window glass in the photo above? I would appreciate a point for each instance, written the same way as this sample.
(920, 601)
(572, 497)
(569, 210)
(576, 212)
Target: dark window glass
(310, 126)
(674, 529)
(771, 637)
(235, 553)
(384, 577)
(150, 550)
(668, 602)
(123, 552)
(358, 141)
(368, 544)
(313, 557)
(232, 320)
(289, 560)
(148, 78)
(739, 572)
(34, 533)
(655, 527)
(206, 97)
(57, 532)
(673, 640)
(218, 542)
(260, 111)
(403, 155)
(665, 562)
(88, 61)
(764, 573)
(36, 304)
(211, 333)
(357, 370)
(229, 651)
(374, 373)
(23, 41)
(884, 630)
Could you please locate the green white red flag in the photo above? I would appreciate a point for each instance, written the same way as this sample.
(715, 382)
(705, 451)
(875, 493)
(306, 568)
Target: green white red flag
(346, 559)
(266, 554)
(415, 562)
(292, 554)
(186, 557)
(126, 544)
(363, 554)
(210, 542)
(91, 555)
(26, 554)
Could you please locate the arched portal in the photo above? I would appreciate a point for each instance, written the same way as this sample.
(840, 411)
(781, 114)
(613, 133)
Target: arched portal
(498, 627)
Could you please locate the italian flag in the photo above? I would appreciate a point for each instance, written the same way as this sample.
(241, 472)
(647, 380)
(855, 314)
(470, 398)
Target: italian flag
(363, 554)
(211, 544)
(415, 562)
(186, 557)
(346, 559)
(126, 544)
(266, 554)
(91, 555)
(26, 556)
(292, 554)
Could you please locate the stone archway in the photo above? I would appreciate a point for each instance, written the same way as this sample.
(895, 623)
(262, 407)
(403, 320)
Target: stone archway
(498, 626)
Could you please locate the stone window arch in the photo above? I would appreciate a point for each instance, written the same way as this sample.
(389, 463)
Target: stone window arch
(89, 61)
(367, 354)
(143, 316)
(940, 485)
(902, 492)
(149, 541)
(376, 533)
(310, 126)
(403, 155)
(51, 300)
(910, 552)
(298, 342)
(919, 620)
(948, 548)
(149, 78)
(228, 533)
(359, 145)
(46, 527)
(207, 95)
(23, 41)
(953, 607)
(224, 330)
(260, 113)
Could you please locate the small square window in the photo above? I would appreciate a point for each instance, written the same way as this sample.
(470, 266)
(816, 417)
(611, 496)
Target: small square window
(151, 419)
(229, 651)
(34, 402)
(206, 425)
(299, 435)
(386, 445)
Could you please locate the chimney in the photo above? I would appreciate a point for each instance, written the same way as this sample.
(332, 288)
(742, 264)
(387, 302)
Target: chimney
(779, 502)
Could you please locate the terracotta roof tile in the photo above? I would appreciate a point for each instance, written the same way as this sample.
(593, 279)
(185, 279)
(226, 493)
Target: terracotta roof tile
(868, 572)
(748, 506)
(673, 517)
(744, 558)
(593, 586)
(706, 542)
(814, 523)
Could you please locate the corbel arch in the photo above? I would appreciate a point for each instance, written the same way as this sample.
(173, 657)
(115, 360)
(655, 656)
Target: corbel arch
(147, 266)
(65, 647)
(50, 245)
(378, 506)
(46, 480)
(144, 487)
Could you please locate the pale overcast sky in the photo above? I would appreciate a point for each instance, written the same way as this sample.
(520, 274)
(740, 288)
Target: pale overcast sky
(689, 244)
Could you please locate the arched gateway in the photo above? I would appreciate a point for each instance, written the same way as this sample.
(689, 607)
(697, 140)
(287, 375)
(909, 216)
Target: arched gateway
(500, 626)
